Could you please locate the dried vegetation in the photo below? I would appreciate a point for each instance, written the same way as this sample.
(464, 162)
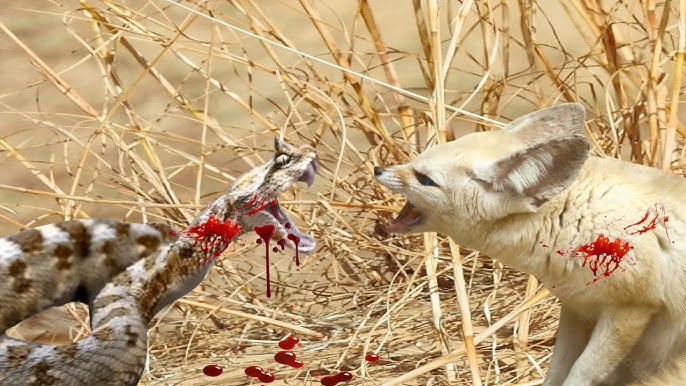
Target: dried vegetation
(143, 110)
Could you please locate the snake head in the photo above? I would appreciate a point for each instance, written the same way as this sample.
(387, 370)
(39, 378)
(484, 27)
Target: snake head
(254, 194)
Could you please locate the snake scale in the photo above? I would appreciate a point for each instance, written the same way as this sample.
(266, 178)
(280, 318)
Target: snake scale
(127, 272)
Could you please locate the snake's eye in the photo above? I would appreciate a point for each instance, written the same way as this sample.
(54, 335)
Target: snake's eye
(281, 159)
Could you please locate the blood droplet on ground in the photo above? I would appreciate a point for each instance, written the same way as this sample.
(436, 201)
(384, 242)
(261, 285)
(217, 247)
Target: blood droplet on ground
(259, 373)
(212, 370)
(296, 241)
(603, 253)
(288, 358)
(371, 357)
(288, 342)
(333, 380)
(266, 232)
(287, 225)
(275, 249)
(214, 236)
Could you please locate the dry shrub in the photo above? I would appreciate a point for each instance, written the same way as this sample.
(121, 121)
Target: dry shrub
(144, 110)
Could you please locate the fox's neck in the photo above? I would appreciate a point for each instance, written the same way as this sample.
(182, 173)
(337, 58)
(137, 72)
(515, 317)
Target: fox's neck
(540, 243)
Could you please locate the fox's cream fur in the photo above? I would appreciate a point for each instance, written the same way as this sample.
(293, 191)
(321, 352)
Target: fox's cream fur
(531, 196)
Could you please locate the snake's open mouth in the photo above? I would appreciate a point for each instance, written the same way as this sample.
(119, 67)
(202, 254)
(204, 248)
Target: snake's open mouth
(305, 242)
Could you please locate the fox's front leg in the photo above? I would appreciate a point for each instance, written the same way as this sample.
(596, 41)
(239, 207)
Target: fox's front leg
(615, 332)
(572, 336)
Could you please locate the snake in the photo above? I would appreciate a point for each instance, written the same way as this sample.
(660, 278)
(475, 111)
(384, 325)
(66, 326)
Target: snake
(127, 272)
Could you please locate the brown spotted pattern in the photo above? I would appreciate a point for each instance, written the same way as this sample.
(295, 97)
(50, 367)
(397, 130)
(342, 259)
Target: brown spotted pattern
(30, 241)
(79, 236)
(53, 269)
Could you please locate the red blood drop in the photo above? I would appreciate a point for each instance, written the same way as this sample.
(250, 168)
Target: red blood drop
(253, 371)
(288, 342)
(275, 249)
(284, 357)
(259, 241)
(214, 236)
(212, 370)
(296, 241)
(603, 253)
(259, 373)
(266, 232)
(333, 380)
(282, 244)
(371, 357)
(287, 226)
(288, 358)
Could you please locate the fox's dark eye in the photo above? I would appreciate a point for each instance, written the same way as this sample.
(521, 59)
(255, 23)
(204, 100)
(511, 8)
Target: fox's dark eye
(424, 179)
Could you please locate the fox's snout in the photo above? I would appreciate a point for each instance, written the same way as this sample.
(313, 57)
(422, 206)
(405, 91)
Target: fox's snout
(392, 177)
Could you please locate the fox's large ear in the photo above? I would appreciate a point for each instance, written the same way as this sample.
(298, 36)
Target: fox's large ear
(561, 120)
(537, 173)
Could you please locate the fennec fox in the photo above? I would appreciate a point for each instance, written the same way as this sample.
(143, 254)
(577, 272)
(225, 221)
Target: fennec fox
(607, 237)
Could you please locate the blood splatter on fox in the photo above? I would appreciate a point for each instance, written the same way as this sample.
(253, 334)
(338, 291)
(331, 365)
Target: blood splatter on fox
(603, 253)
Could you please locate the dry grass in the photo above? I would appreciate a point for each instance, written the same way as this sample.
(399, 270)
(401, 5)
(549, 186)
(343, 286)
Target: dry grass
(144, 110)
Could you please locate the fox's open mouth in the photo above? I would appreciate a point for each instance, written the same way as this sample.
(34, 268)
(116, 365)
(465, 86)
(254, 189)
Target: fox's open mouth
(408, 217)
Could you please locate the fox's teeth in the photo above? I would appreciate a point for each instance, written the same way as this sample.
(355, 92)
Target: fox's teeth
(409, 215)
